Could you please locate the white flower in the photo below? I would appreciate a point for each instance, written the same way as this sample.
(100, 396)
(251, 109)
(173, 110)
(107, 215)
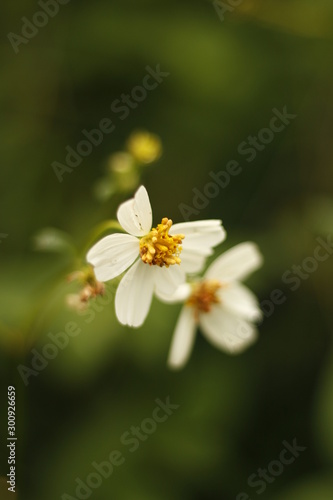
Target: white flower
(159, 256)
(224, 308)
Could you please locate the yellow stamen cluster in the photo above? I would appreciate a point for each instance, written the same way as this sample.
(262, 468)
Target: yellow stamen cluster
(204, 295)
(159, 248)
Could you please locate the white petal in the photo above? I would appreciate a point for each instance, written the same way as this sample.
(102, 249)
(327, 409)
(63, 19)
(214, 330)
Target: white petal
(180, 295)
(198, 225)
(135, 215)
(112, 255)
(192, 262)
(168, 279)
(239, 300)
(227, 331)
(236, 263)
(134, 295)
(183, 339)
(200, 236)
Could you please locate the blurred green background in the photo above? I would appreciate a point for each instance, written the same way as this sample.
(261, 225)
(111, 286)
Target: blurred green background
(225, 79)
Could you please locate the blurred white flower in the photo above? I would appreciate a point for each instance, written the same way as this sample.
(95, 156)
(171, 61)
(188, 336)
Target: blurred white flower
(159, 257)
(223, 307)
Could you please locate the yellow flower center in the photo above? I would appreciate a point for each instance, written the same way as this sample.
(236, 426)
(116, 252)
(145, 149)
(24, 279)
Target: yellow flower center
(204, 295)
(159, 248)
(145, 147)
